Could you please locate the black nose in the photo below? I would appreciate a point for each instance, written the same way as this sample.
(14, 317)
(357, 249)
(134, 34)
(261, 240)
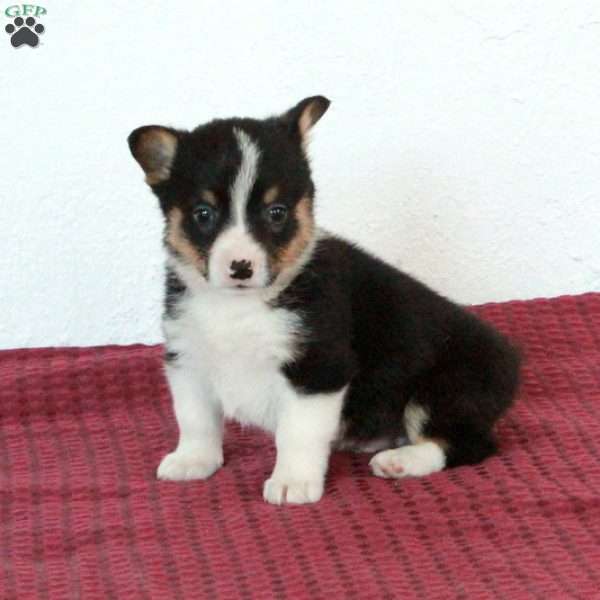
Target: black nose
(241, 269)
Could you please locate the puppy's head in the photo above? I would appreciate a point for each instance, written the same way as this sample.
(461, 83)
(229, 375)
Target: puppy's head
(237, 194)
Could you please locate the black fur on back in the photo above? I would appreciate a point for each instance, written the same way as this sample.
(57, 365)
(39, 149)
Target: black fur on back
(393, 340)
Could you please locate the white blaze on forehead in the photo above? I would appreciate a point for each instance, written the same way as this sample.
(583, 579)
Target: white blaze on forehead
(235, 243)
(245, 178)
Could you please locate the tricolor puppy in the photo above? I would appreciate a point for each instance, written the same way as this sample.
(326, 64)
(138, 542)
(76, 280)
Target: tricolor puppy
(273, 322)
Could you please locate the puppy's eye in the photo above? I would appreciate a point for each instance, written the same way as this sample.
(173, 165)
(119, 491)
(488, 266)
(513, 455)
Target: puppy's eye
(277, 215)
(206, 217)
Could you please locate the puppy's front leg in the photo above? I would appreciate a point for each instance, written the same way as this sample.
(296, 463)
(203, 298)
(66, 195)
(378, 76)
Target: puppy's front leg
(199, 452)
(306, 428)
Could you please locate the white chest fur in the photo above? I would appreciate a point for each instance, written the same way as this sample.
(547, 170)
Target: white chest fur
(237, 344)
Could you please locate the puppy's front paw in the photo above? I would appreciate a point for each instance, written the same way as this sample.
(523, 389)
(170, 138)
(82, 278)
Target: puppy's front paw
(283, 491)
(181, 466)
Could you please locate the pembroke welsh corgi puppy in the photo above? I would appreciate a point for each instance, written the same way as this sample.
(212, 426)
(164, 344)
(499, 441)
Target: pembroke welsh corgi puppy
(273, 322)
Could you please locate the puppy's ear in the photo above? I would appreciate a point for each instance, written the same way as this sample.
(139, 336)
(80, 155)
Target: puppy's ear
(305, 114)
(154, 147)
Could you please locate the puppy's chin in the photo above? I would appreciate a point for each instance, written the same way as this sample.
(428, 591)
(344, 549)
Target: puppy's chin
(239, 288)
(241, 291)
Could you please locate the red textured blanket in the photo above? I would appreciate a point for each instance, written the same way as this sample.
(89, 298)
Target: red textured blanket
(82, 516)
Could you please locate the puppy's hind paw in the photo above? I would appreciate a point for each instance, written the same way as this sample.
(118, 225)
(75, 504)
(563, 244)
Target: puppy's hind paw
(409, 461)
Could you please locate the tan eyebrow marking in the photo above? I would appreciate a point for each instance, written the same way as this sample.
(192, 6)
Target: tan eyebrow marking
(209, 197)
(271, 194)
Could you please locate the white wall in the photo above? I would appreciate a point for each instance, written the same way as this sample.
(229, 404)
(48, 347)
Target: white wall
(463, 143)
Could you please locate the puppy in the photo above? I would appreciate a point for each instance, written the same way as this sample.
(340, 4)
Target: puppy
(273, 322)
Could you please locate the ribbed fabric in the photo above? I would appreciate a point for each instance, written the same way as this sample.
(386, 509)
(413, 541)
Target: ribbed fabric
(82, 515)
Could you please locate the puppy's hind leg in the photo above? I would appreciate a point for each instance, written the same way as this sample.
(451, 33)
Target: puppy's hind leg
(436, 442)
(423, 456)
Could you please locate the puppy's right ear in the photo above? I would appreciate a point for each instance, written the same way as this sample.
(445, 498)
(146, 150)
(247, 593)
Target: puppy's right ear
(154, 147)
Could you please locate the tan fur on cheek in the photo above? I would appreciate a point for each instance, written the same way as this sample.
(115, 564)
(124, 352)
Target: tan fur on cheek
(306, 227)
(178, 242)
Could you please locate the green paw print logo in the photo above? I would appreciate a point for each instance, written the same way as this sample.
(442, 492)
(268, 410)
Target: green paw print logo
(24, 29)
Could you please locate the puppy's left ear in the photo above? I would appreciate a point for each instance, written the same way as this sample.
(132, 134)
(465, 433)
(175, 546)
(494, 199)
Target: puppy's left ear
(154, 147)
(305, 114)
